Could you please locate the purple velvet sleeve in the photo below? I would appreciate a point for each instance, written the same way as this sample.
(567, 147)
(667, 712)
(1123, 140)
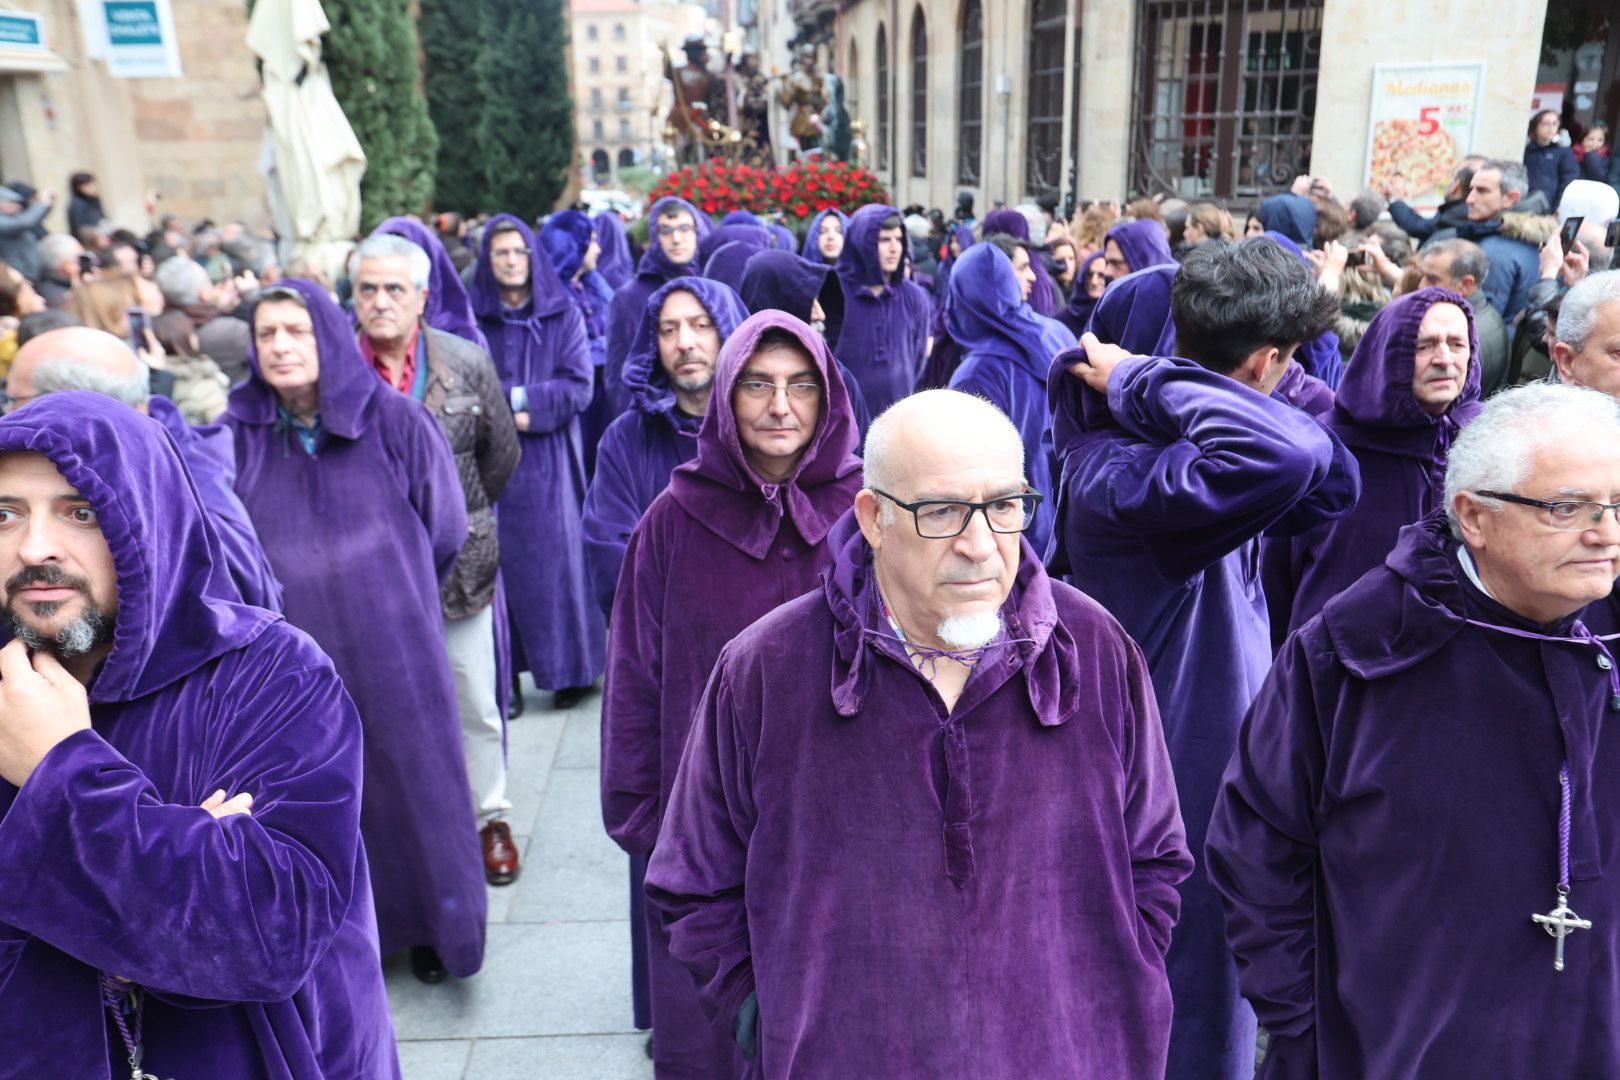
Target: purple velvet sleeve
(1159, 857)
(239, 909)
(1262, 847)
(610, 515)
(1223, 462)
(632, 700)
(696, 876)
(557, 400)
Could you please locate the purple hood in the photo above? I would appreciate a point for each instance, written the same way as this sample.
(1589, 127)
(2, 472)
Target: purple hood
(547, 292)
(654, 263)
(644, 374)
(1143, 243)
(448, 306)
(858, 262)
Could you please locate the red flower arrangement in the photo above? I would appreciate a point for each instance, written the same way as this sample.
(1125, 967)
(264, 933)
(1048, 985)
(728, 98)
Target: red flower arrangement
(800, 191)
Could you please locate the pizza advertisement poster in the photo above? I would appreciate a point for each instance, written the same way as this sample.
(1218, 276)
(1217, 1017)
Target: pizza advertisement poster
(1422, 122)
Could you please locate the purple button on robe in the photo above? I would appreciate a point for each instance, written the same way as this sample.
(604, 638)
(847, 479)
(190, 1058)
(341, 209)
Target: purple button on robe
(542, 347)
(361, 533)
(210, 455)
(884, 341)
(717, 550)
(253, 936)
(1007, 349)
(1389, 824)
(1167, 483)
(1400, 449)
(631, 298)
(986, 893)
(645, 444)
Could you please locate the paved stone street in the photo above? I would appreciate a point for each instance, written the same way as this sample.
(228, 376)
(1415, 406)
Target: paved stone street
(553, 999)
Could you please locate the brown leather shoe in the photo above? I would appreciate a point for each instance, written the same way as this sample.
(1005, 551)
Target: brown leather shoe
(500, 853)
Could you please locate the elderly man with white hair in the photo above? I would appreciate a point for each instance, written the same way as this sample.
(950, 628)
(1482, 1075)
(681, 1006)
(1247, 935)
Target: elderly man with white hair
(221, 336)
(456, 381)
(1423, 791)
(1588, 349)
(925, 824)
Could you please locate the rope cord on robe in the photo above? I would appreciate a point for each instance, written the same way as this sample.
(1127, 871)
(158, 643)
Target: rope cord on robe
(124, 1002)
(925, 658)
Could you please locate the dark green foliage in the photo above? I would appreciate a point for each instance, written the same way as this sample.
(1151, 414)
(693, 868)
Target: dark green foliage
(524, 137)
(372, 56)
(452, 35)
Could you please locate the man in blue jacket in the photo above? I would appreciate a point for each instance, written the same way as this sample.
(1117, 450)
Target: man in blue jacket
(1515, 263)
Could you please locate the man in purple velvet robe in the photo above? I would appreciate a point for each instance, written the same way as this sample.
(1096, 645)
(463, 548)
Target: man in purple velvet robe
(78, 358)
(1135, 245)
(884, 341)
(925, 823)
(824, 239)
(1007, 350)
(1411, 386)
(354, 492)
(569, 238)
(675, 230)
(180, 784)
(775, 467)
(1423, 791)
(1043, 296)
(1172, 469)
(538, 341)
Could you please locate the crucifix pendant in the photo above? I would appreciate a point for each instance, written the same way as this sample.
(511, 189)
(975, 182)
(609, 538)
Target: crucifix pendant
(1560, 922)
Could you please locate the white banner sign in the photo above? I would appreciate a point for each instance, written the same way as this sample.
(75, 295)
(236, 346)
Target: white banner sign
(1423, 121)
(140, 41)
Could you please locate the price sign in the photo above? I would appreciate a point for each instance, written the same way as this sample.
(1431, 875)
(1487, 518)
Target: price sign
(1421, 122)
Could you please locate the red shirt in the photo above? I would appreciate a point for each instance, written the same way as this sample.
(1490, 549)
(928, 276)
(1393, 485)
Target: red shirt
(407, 374)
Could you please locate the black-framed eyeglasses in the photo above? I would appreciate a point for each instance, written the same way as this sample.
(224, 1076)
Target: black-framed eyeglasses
(1565, 515)
(940, 519)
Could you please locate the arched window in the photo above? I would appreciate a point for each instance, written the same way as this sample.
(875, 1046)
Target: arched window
(627, 158)
(883, 97)
(1043, 166)
(970, 83)
(919, 94)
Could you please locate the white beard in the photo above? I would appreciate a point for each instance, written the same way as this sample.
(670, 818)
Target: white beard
(970, 631)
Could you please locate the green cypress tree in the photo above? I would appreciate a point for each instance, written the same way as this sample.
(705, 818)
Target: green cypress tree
(372, 55)
(453, 34)
(525, 131)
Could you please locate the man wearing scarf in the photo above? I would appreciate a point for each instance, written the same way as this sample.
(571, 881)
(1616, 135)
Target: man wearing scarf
(1414, 839)
(869, 857)
(180, 781)
(886, 315)
(570, 243)
(1173, 467)
(1410, 389)
(353, 490)
(676, 229)
(538, 341)
(740, 530)
(1007, 350)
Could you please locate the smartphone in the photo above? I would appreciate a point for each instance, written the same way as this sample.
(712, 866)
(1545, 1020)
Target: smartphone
(1566, 235)
(1611, 239)
(139, 323)
(1355, 259)
(87, 263)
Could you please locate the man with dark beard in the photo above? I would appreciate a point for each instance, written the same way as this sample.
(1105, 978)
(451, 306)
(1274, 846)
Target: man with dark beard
(144, 916)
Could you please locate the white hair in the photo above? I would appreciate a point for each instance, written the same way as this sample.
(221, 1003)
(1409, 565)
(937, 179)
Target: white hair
(181, 280)
(1579, 312)
(56, 374)
(975, 423)
(389, 246)
(56, 249)
(1493, 453)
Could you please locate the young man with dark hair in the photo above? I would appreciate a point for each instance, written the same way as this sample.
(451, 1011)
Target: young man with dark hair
(886, 314)
(1172, 469)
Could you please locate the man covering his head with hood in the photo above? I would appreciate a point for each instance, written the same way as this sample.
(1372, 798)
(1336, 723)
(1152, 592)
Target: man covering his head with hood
(180, 780)
(675, 232)
(886, 315)
(571, 244)
(740, 530)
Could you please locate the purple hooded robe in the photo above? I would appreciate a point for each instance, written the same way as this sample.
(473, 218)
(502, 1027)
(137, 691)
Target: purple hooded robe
(253, 936)
(1390, 822)
(1081, 305)
(1044, 296)
(718, 522)
(361, 533)
(755, 237)
(911, 893)
(811, 248)
(566, 237)
(728, 262)
(542, 347)
(1167, 484)
(614, 262)
(885, 337)
(210, 455)
(448, 306)
(1143, 243)
(1400, 449)
(1006, 352)
(631, 298)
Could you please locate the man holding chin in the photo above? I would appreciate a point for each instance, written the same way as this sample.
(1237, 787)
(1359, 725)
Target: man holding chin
(925, 823)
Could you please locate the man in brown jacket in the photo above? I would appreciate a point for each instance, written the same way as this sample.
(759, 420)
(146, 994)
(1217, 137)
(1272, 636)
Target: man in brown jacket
(456, 380)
